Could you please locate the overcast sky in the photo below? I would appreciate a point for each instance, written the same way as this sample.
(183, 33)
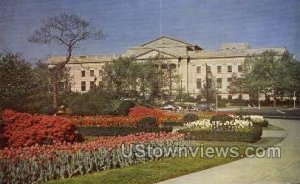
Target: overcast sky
(128, 23)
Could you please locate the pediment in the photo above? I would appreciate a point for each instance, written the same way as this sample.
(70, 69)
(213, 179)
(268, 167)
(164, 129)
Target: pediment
(165, 41)
(154, 53)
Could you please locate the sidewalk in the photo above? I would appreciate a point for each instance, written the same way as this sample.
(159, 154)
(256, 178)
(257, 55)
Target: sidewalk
(284, 170)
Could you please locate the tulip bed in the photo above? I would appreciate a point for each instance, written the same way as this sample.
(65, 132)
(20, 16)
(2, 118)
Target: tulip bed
(255, 119)
(62, 160)
(235, 130)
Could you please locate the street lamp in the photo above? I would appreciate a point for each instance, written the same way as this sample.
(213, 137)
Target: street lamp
(217, 98)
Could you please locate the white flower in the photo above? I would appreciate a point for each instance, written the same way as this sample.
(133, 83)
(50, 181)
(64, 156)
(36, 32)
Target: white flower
(256, 118)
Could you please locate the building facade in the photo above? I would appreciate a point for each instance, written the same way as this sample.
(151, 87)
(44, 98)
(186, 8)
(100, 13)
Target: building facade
(190, 62)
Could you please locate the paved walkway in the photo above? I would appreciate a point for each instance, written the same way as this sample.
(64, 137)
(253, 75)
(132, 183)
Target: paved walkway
(284, 170)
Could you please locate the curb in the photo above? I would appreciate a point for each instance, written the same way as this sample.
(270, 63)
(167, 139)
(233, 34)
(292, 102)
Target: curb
(283, 117)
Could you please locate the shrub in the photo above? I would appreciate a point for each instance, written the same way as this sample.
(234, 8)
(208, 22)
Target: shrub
(210, 135)
(173, 123)
(118, 131)
(124, 107)
(264, 123)
(147, 122)
(190, 117)
(23, 129)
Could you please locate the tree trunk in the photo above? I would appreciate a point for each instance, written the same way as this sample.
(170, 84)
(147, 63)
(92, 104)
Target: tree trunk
(54, 90)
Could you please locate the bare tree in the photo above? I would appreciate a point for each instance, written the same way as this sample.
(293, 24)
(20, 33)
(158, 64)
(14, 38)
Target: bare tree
(68, 30)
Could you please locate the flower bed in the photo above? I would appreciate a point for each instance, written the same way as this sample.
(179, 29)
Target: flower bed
(209, 135)
(23, 129)
(255, 119)
(210, 114)
(43, 163)
(135, 115)
(227, 130)
(104, 121)
(162, 116)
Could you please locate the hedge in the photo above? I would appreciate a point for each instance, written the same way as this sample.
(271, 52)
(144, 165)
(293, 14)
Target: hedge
(231, 136)
(173, 123)
(116, 131)
(265, 123)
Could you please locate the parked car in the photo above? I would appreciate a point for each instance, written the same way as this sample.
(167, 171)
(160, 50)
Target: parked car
(172, 107)
(169, 107)
(206, 107)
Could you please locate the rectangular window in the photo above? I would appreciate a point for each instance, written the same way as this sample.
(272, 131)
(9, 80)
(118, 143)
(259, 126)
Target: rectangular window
(229, 69)
(92, 73)
(198, 69)
(240, 68)
(101, 84)
(82, 73)
(229, 80)
(83, 86)
(219, 82)
(219, 69)
(229, 97)
(92, 85)
(100, 72)
(208, 68)
(198, 84)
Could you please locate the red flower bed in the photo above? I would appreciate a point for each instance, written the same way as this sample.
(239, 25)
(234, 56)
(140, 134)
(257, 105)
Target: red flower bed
(141, 112)
(104, 121)
(23, 129)
(38, 164)
(135, 114)
(109, 143)
(210, 114)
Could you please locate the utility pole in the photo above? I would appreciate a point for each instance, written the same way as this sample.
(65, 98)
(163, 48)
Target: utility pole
(180, 95)
(258, 97)
(216, 99)
(206, 78)
(294, 98)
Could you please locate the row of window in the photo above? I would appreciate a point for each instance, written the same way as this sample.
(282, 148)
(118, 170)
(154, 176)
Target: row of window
(219, 69)
(92, 73)
(219, 82)
(92, 85)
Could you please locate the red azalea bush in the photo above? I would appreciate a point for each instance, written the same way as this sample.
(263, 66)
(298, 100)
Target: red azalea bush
(23, 129)
(105, 121)
(134, 116)
(162, 116)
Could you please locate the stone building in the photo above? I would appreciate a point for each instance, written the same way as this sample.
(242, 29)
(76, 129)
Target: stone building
(190, 62)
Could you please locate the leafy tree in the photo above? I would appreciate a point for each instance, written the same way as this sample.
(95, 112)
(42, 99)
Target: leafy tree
(68, 30)
(121, 76)
(208, 92)
(270, 73)
(16, 81)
